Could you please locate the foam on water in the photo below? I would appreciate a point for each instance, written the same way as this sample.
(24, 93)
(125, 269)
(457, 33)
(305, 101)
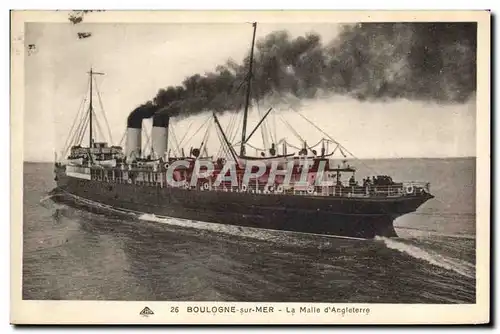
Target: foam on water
(459, 266)
(412, 232)
(254, 233)
(248, 232)
(46, 198)
(51, 204)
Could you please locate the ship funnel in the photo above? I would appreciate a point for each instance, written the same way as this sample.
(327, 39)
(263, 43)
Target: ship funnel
(134, 129)
(133, 145)
(159, 134)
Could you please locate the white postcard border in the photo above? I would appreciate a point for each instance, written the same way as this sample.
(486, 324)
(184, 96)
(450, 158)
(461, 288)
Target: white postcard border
(107, 312)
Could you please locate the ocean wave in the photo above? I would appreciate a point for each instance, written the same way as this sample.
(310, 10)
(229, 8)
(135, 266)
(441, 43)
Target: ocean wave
(461, 267)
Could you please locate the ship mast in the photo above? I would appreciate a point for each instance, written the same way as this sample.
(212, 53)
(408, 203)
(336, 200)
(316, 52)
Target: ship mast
(91, 109)
(247, 100)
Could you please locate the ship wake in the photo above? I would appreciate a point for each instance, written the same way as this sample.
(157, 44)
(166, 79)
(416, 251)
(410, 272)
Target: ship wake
(240, 231)
(461, 267)
(414, 232)
(49, 202)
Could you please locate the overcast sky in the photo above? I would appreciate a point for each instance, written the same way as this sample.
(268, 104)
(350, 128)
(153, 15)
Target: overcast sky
(138, 59)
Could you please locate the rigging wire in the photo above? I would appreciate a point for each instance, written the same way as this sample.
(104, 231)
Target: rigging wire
(238, 120)
(243, 81)
(255, 148)
(76, 137)
(262, 130)
(87, 115)
(267, 128)
(232, 124)
(205, 138)
(79, 115)
(278, 143)
(83, 129)
(231, 121)
(236, 129)
(205, 135)
(228, 130)
(223, 150)
(98, 125)
(103, 113)
(198, 130)
(292, 129)
(175, 142)
(292, 146)
(310, 147)
(72, 133)
(225, 146)
(341, 147)
(283, 140)
(186, 133)
(274, 126)
(123, 137)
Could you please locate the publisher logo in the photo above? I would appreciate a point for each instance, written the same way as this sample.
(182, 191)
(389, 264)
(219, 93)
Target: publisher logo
(146, 312)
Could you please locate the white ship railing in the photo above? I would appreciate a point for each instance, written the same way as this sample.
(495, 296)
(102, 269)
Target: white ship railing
(411, 188)
(340, 189)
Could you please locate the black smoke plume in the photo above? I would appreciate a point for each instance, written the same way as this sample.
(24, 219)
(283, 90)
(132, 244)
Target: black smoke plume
(146, 110)
(161, 120)
(368, 61)
(416, 61)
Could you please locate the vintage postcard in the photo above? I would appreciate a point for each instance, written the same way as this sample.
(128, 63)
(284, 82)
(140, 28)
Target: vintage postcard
(254, 167)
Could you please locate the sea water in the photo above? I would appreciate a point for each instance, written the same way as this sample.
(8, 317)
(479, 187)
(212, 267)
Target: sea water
(73, 254)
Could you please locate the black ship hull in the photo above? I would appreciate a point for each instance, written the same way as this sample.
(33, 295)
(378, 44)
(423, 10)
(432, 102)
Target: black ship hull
(353, 217)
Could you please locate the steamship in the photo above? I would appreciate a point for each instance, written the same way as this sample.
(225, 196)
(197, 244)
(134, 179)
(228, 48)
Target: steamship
(320, 193)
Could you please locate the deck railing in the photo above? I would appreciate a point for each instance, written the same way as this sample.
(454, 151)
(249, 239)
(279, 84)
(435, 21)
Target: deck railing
(411, 188)
(340, 189)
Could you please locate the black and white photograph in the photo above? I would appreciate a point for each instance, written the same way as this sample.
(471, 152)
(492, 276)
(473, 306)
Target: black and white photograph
(252, 167)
